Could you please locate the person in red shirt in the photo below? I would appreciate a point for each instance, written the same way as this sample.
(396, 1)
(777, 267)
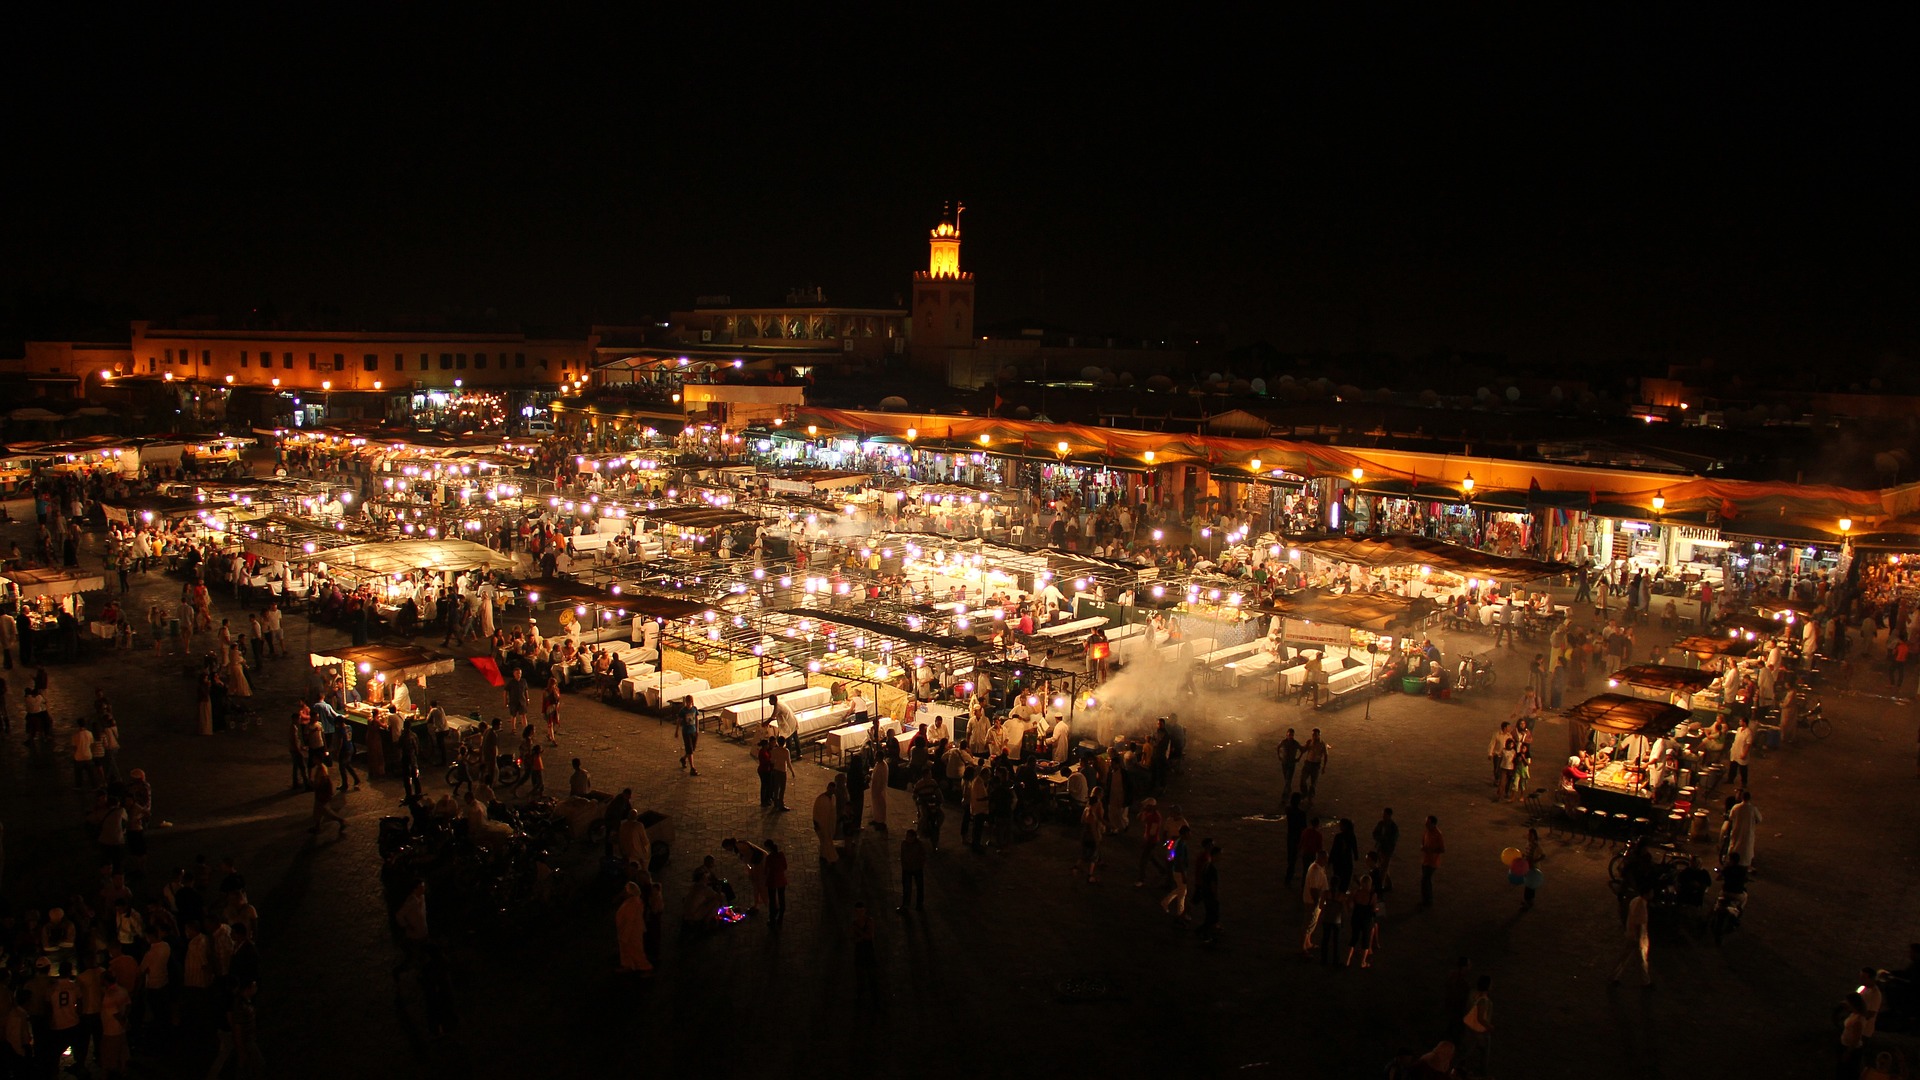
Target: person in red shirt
(776, 871)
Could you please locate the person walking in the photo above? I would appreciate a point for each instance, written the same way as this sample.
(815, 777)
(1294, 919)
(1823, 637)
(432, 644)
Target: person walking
(550, 710)
(1316, 892)
(879, 782)
(913, 871)
(780, 760)
(1342, 854)
(689, 721)
(1093, 825)
(1432, 846)
(1289, 753)
(1496, 750)
(1386, 837)
(1206, 889)
(1152, 840)
(1296, 830)
(1313, 758)
(1478, 1024)
(1743, 823)
(323, 793)
(1175, 902)
(776, 871)
(1361, 909)
(1635, 945)
(1739, 751)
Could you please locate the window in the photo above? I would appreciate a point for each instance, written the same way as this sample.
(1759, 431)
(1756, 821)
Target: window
(339, 362)
(286, 361)
(313, 361)
(423, 361)
(446, 361)
(206, 357)
(399, 361)
(243, 357)
(542, 360)
(169, 356)
(370, 362)
(152, 364)
(460, 361)
(519, 359)
(479, 360)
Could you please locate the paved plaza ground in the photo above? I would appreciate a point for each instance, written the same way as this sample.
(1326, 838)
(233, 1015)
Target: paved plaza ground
(1017, 967)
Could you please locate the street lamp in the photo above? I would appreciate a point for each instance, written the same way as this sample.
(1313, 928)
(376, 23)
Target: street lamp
(1254, 465)
(1467, 484)
(912, 434)
(1148, 456)
(1659, 501)
(986, 440)
(1846, 526)
(1359, 474)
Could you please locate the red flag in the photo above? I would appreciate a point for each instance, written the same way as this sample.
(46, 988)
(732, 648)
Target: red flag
(1728, 511)
(998, 401)
(1593, 498)
(488, 669)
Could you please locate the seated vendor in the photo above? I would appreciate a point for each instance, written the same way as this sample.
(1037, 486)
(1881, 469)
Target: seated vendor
(1575, 772)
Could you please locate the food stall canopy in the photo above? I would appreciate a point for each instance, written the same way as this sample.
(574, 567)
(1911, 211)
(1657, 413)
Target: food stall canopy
(1666, 677)
(394, 661)
(802, 481)
(1365, 611)
(137, 507)
(670, 608)
(696, 517)
(47, 581)
(1425, 551)
(404, 556)
(1711, 645)
(1759, 624)
(1618, 714)
(885, 629)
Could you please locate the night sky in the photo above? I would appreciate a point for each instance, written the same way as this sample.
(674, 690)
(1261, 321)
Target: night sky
(1575, 190)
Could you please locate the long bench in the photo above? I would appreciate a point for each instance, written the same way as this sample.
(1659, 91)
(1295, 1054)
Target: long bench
(747, 714)
(653, 694)
(1074, 626)
(712, 699)
(1219, 657)
(824, 718)
(842, 741)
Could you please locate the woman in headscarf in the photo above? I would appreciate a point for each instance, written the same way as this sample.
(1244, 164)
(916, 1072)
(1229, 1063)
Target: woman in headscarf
(630, 928)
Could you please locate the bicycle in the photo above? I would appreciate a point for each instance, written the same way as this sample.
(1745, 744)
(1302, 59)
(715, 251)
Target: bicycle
(1813, 720)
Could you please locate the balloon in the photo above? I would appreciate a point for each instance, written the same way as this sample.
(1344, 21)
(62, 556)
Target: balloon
(1514, 879)
(1535, 877)
(1520, 866)
(1510, 854)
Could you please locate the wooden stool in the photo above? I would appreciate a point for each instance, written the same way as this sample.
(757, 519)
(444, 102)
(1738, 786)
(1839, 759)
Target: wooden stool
(1641, 826)
(1677, 824)
(1621, 823)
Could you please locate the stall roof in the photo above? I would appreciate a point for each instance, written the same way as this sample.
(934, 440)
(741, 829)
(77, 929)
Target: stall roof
(875, 626)
(1618, 714)
(49, 581)
(1424, 551)
(403, 661)
(402, 556)
(823, 479)
(1367, 611)
(697, 517)
(1710, 645)
(1759, 624)
(1663, 677)
(158, 505)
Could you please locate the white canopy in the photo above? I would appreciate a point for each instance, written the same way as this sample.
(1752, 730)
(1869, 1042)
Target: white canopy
(51, 582)
(404, 556)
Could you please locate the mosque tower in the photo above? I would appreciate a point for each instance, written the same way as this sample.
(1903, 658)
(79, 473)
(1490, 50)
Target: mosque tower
(943, 338)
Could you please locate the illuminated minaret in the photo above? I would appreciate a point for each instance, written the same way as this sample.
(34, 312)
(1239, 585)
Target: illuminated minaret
(943, 301)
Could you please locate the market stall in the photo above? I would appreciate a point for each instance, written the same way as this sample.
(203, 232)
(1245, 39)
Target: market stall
(374, 686)
(1625, 740)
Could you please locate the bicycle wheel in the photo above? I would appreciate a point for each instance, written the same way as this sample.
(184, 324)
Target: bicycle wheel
(510, 776)
(1821, 727)
(456, 775)
(1616, 868)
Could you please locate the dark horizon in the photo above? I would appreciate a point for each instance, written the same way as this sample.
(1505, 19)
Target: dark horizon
(1598, 190)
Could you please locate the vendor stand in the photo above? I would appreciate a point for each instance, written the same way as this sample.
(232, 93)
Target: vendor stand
(52, 609)
(1623, 738)
(374, 681)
